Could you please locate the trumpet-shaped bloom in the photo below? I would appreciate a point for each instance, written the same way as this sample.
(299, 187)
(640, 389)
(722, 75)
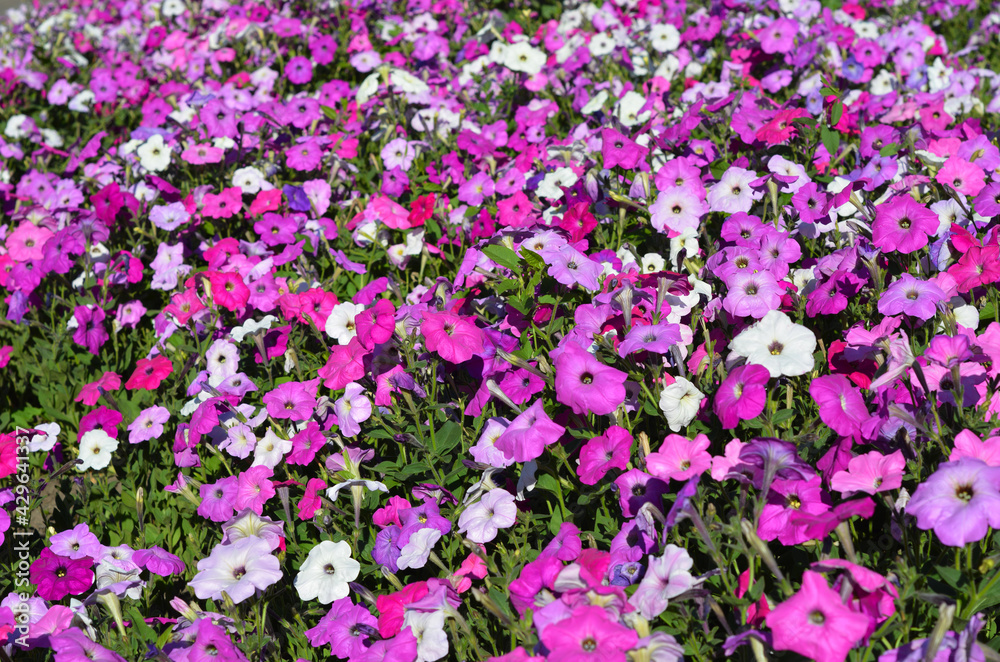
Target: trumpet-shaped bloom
(778, 344)
(527, 435)
(239, 569)
(585, 384)
(482, 520)
(959, 501)
(325, 573)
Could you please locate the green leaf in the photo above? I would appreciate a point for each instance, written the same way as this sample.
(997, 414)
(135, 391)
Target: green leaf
(330, 113)
(836, 113)
(782, 415)
(533, 259)
(449, 436)
(828, 92)
(831, 140)
(502, 256)
(951, 576)
(889, 150)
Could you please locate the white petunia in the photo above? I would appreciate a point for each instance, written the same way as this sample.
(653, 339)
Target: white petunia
(46, 440)
(96, 447)
(664, 38)
(553, 183)
(629, 107)
(326, 572)
(778, 344)
(417, 550)
(250, 326)
(270, 450)
(428, 628)
(525, 58)
(679, 402)
(368, 88)
(340, 323)
(154, 154)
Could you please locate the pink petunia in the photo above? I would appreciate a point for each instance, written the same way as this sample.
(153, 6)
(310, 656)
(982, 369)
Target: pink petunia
(254, 488)
(902, 224)
(840, 404)
(149, 373)
(679, 458)
(455, 338)
(527, 435)
(91, 393)
(610, 450)
(870, 473)
(222, 205)
(294, 401)
(968, 444)
(742, 395)
(585, 384)
(966, 178)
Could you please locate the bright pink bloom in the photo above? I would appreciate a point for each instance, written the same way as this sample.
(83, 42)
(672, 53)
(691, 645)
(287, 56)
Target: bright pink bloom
(978, 266)
(742, 395)
(785, 499)
(222, 205)
(254, 488)
(456, 339)
(228, 289)
(902, 224)
(680, 459)
(816, 623)
(840, 404)
(779, 36)
(345, 365)
(527, 435)
(27, 241)
(968, 444)
(310, 502)
(585, 384)
(91, 393)
(588, 635)
(376, 325)
(55, 577)
(294, 401)
(149, 373)
(966, 178)
(870, 473)
(611, 450)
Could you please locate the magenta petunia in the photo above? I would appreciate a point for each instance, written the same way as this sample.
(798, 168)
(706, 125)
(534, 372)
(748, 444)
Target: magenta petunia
(590, 634)
(840, 404)
(870, 473)
(598, 456)
(585, 384)
(294, 401)
(816, 623)
(527, 435)
(742, 395)
(455, 338)
(679, 458)
(55, 577)
(902, 224)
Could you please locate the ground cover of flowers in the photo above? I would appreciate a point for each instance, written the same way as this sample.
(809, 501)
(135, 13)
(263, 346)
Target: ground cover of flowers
(407, 331)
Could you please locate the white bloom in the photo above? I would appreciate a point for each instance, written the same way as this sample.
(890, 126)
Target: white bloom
(408, 83)
(416, 551)
(250, 180)
(601, 44)
(679, 402)
(653, 262)
(367, 89)
(414, 242)
(96, 447)
(51, 138)
(154, 155)
(596, 103)
(172, 8)
(326, 571)
(525, 58)
(45, 441)
(428, 628)
(370, 485)
(250, 326)
(778, 344)
(628, 109)
(664, 38)
(18, 127)
(270, 450)
(552, 184)
(222, 359)
(340, 323)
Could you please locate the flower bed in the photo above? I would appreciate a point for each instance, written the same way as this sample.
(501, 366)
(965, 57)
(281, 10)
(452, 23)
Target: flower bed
(417, 331)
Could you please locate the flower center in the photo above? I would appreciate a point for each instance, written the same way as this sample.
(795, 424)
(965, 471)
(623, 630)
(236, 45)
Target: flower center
(239, 572)
(965, 493)
(817, 618)
(587, 378)
(589, 644)
(904, 223)
(775, 348)
(329, 569)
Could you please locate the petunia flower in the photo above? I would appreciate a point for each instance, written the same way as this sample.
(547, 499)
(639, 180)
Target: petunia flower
(590, 634)
(55, 576)
(96, 449)
(816, 623)
(680, 403)
(482, 520)
(239, 569)
(778, 344)
(527, 435)
(599, 455)
(353, 408)
(294, 401)
(150, 373)
(455, 338)
(666, 577)
(680, 459)
(585, 384)
(960, 500)
(840, 404)
(911, 296)
(902, 224)
(325, 573)
(742, 395)
(870, 473)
